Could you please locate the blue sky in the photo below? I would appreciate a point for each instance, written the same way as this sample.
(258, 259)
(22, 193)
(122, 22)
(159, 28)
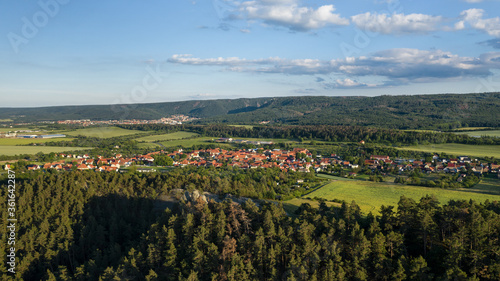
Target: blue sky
(67, 52)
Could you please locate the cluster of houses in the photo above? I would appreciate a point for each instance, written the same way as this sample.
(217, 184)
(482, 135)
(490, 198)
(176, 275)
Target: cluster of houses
(85, 162)
(231, 140)
(248, 158)
(41, 136)
(298, 159)
(29, 134)
(438, 165)
(172, 120)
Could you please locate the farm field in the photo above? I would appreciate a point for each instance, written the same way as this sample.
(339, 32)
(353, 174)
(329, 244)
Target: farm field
(10, 141)
(17, 150)
(101, 132)
(370, 195)
(458, 149)
(168, 137)
(148, 145)
(491, 133)
(191, 142)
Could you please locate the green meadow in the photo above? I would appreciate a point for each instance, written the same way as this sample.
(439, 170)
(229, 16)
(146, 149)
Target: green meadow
(18, 150)
(10, 141)
(194, 141)
(243, 126)
(4, 130)
(491, 133)
(148, 145)
(370, 195)
(102, 132)
(470, 128)
(458, 149)
(168, 137)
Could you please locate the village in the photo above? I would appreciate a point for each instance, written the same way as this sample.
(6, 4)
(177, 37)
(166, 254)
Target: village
(297, 160)
(172, 120)
(178, 119)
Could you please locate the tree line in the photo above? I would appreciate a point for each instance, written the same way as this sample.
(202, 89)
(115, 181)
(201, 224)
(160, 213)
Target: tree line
(328, 133)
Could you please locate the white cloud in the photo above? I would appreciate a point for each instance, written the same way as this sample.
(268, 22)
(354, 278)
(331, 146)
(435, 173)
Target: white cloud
(397, 23)
(460, 25)
(346, 83)
(230, 61)
(474, 17)
(415, 65)
(189, 59)
(289, 14)
(396, 65)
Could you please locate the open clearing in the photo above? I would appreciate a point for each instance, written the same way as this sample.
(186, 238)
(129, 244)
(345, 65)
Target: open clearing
(10, 141)
(102, 132)
(18, 150)
(168, 137)
(458, 149)
(370, 195)
(491, 133)
(243, 126)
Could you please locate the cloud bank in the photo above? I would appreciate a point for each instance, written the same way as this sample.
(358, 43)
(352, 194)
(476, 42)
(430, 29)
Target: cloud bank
(399, 66)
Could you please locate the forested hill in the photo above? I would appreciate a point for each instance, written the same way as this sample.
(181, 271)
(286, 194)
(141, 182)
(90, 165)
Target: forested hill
(443, 111)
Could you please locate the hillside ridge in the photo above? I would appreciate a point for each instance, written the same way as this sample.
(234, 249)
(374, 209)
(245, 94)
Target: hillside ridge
(443, 111)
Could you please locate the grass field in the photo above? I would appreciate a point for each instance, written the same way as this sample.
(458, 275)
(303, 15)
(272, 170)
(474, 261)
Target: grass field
(168, 137)
(178, 139)
(491, 133)
(486, 186)
(148, 145)
(471, 128)
(17, 150)
(3, 130)
(370, 196)
(459, 149)
(6, 120)
(10, 141)
(101, 132)
(194, 141)
(244, 126)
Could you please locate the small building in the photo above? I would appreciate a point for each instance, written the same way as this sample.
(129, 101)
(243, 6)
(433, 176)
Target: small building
(52, 136)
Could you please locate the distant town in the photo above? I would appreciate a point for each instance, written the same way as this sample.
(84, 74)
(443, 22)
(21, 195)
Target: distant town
(172, 120)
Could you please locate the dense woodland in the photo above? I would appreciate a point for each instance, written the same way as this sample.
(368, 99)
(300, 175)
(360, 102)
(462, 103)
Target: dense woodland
(443, 112)
(111, 226)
